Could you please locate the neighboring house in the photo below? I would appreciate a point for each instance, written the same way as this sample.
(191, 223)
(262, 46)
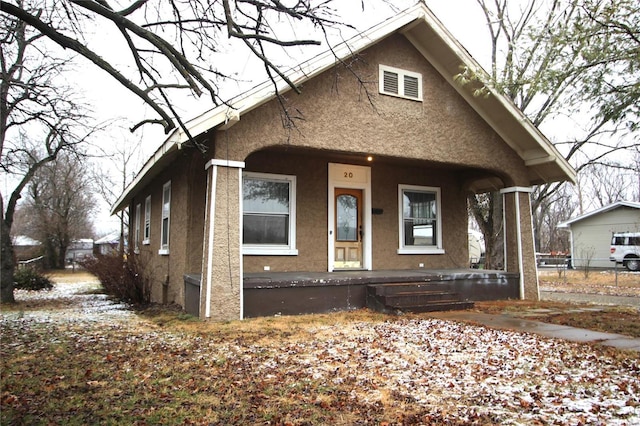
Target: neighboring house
(109, 243)
(26, 248)
(79, 249)
(361, 191)
(591, 232)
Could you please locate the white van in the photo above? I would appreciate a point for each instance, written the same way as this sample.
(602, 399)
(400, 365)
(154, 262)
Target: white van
(625, 249)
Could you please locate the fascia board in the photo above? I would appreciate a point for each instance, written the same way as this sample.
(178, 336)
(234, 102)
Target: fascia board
(457, 56)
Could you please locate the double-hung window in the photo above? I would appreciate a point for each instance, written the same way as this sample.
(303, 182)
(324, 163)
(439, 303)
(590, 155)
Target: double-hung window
(420, 221)
(269, 218)
(400, 83)
(136, 227)
(166, 209)
(147, 221)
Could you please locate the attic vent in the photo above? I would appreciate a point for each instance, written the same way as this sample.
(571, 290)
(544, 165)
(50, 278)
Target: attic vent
(390, 82)
(400, 83)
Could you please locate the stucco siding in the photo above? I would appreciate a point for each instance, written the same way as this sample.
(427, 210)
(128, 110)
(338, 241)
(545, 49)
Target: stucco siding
(338, 112)
(312, 213)
(591, 237)
(165, 272)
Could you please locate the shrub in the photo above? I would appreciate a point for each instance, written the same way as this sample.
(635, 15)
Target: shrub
(30, 279)
(121, 277)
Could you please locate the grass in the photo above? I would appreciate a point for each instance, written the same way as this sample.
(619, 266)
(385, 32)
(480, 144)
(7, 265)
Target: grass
(608, 319)
(173, 369)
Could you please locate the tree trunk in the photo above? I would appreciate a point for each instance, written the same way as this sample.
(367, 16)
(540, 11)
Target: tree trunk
(8, 265)
(487, 211)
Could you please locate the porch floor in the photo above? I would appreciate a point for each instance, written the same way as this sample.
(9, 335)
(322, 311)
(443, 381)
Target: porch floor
(257, 280)
(292, 293)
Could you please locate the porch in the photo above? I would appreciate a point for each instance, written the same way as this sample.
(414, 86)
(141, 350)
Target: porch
(294, 293)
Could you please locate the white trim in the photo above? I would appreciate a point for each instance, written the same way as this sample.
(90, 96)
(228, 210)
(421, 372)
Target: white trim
(224, 163)
(519, 241)
(146, 230)
(360, 179)
(630, 204)
(274, 249)
(512, 189)
(164, 248)
(433, 249)
(211, 221)
(136, 235)
(533, 247)
(401, 73)
(241, 259)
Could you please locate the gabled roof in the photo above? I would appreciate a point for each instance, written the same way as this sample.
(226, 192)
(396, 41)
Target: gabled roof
(439, 47)
(601, 210)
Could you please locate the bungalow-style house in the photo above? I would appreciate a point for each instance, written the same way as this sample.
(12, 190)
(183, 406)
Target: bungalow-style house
(591, 232)
(368, 190)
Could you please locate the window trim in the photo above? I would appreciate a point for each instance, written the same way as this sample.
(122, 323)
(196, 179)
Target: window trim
(146, 239)
(274, 249)
(136, 241)
(434, 249)
(401, 75)
(165, 214)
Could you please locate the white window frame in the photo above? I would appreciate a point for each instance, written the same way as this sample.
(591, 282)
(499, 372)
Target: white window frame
(136, 227)
(166, 215)
(146, 239)
(401, 79)
(434, 249)
(276, 249)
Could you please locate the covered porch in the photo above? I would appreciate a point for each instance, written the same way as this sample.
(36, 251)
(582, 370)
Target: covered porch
(294, 293)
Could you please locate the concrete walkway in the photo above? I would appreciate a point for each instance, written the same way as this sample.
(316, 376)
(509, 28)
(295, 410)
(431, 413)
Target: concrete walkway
(572, 334)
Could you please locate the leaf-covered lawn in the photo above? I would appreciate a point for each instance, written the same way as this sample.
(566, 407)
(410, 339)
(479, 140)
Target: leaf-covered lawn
(89, 361)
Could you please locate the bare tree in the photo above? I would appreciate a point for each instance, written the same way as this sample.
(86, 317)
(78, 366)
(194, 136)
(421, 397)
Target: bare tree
(176, 35)
(39, 119)
(169, 47)
(112, 180)
(58, 206)
(543, 58)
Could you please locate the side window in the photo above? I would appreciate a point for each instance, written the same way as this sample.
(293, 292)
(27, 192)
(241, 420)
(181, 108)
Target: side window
(400, 83)
(166, 210)
(136, 227)
(269, 219)
(420, 227)
(147, 220)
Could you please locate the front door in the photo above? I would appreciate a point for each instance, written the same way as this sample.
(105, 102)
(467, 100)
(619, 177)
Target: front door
(348, 229)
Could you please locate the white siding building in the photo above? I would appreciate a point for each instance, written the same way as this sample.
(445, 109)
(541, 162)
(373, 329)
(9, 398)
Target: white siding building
(591, 232)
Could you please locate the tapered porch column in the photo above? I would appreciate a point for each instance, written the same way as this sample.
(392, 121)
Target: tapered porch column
(221, 287)
(519, 251)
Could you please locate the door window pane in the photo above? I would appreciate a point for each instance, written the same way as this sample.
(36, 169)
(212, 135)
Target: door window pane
(347, 217)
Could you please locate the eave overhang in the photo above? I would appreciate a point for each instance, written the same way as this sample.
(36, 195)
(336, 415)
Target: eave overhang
(544, 163)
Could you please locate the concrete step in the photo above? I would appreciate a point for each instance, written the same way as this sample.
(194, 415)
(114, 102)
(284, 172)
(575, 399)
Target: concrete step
(419, 298)
(414, 297)
(437, 307)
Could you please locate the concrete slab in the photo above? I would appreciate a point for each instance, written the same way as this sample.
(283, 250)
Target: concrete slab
(564, 332)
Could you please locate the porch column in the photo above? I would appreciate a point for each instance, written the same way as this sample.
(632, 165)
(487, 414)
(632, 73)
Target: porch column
(519, 251)
(221, 287)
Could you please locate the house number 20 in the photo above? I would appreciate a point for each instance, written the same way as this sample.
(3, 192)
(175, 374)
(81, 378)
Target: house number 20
(348, 175)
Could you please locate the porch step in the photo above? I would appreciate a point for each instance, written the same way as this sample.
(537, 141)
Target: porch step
(414, 297)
